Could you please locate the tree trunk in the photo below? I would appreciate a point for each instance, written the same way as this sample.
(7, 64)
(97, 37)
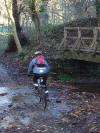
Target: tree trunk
(38, 27)
(14, 28)
(16, 15)
(36, 19)
(98, 11)
(17, 41)
(16, 24)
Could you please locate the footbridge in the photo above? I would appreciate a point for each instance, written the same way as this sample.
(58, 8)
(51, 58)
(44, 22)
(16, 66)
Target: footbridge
(81, 43)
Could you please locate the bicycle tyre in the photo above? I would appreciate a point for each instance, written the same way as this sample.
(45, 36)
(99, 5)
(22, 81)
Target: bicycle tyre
(43, 98)
(44, 101)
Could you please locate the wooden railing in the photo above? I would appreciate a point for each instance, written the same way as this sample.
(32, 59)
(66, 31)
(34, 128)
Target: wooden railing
(79, 39)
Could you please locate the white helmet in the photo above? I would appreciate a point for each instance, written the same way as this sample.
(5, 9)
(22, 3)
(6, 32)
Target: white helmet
(38, 52)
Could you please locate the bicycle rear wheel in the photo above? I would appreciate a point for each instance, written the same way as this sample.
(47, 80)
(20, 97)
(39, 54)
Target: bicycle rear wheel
(45, 102)
(43, 98)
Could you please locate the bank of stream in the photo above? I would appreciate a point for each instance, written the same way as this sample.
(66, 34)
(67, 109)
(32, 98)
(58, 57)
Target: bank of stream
(82, 74)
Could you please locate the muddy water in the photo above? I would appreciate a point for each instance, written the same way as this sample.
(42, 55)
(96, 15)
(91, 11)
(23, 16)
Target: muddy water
(20, 105)
(5, 79)
(81, 74)
(75, 69)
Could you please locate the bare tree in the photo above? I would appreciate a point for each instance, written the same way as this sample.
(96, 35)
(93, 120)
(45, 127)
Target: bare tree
(14, 29)
(33, 7)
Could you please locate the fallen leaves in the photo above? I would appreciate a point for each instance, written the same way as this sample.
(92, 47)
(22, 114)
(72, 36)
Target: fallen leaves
(65, 120)
(76, 113)
(41, 129)
(3, 94)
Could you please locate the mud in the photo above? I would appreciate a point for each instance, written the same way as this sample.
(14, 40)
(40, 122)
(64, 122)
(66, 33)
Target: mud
(69, 110)
(20, 107)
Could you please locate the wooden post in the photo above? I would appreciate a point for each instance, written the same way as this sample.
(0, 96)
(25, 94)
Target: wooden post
(64, 41)
(95, 38)
(65, 38)
(78, 41)
(94, 42)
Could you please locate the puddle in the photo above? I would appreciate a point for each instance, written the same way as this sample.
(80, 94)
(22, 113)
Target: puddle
(22, 100)
(5, 98)
(3, 74)
(12, 96)
(25, 121)
(57, 109)
(7, 122)
(27, 96)
(5, 79)
(57, 104)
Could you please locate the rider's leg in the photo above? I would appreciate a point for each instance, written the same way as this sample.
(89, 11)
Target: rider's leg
(46, 89)
(34, 78)
(35, 81)
(44, 79)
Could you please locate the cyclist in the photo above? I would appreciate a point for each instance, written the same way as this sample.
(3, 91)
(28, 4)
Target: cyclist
(39, 67)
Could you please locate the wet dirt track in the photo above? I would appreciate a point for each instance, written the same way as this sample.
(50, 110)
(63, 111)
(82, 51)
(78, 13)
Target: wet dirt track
(21, 111)
(68, 111)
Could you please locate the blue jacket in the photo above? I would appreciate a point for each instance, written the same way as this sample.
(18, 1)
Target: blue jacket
(38, 70)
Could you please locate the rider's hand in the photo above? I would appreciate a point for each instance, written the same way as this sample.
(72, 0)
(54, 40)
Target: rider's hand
(28, 75)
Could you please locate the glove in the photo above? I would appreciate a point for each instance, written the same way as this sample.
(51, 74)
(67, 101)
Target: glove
(28, 75)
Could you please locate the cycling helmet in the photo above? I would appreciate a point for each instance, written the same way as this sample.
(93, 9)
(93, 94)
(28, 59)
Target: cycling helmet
(38, 52)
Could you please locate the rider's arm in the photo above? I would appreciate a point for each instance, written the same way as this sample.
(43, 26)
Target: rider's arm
(31, 65)
(46, 63)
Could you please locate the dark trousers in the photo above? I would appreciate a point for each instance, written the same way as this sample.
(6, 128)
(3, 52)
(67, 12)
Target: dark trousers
(36, 76)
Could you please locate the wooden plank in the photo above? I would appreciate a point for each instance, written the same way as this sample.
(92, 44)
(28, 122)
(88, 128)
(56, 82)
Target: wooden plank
(71, 28)
(65, 36)
(98, 28)
(80, 56)
(85, 50)
(60, 45)
(84, 38)
(81, 28)
(78, 41)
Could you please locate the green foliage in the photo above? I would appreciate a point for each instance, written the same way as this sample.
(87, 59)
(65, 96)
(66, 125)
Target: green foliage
(44, 0)
(98, 7)
(49, 28)
(64, 77)
(46, 29)
(55, 29)
(31, 35)
(3, 41)
(4, 36)
(32, 6)
(23, 56)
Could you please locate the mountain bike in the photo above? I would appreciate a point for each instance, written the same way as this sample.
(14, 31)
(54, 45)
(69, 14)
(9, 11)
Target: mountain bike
(42, 91)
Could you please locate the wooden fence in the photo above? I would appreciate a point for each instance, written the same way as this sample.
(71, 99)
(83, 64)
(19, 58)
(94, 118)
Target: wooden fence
(79, 39)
